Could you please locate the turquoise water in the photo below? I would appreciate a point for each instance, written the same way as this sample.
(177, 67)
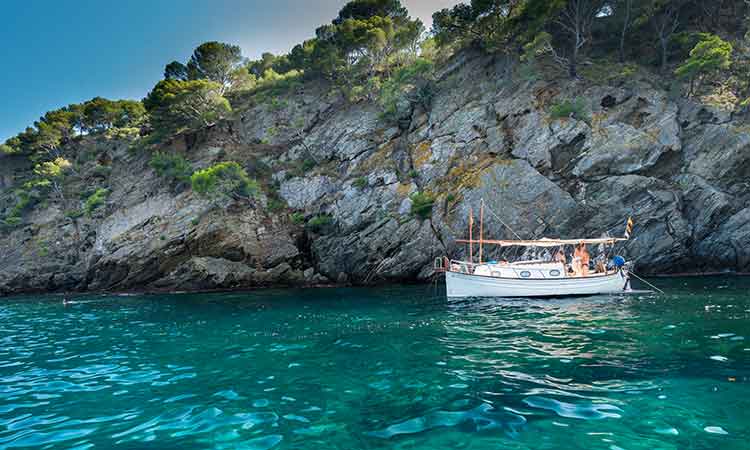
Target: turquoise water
(378, 368)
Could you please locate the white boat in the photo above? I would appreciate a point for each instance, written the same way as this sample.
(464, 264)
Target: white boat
(556, 284)
(537, 278)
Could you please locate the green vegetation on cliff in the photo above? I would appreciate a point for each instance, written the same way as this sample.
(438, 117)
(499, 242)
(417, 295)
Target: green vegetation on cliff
(224, 181)
(374, 51)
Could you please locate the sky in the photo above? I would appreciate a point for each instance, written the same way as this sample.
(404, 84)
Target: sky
(57, 52)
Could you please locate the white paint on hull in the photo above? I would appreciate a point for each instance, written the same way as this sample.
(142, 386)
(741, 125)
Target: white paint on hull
(465, 285)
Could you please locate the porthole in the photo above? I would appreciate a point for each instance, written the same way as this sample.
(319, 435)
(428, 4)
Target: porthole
(554, 273)
(525, 274)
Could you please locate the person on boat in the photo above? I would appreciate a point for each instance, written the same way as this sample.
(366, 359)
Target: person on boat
(559, 256)
(576, 261)
(583, 254)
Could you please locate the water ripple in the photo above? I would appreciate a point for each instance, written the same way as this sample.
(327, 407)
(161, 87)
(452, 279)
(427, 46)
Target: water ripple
(375, 368)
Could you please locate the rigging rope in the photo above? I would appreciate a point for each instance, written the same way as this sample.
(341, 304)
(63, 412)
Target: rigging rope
(504, 224)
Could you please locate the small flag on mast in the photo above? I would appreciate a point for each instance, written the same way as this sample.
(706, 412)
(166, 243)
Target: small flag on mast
(629, 228)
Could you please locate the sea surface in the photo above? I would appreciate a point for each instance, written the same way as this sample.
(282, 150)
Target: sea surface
(379, 368)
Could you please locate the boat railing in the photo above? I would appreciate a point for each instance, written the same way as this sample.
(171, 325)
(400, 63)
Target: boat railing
(441, 264)
(444, 264)
(454, 265)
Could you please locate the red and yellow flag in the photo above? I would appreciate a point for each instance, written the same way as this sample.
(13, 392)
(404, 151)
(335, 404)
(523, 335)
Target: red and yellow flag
(629, 227)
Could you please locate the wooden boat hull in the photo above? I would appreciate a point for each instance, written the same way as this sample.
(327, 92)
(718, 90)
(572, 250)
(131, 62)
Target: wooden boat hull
(466, 285)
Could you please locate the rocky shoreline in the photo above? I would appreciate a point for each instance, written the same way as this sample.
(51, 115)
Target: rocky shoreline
(337, 204)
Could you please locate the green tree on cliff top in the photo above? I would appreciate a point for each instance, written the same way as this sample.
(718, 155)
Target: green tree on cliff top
(709, 56)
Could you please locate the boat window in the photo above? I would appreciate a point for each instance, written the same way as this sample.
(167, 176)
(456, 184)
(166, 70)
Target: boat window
(525, 274)
(554, 273)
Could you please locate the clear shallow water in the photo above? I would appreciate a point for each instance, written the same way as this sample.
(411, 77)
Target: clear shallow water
(378, 368)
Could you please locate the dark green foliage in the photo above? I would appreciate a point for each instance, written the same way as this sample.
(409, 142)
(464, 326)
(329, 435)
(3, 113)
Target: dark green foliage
(176, 71)
(360, 42)
(297, 218)
(272, 84)
(269, 61)
(320, 223)
(276, 204)
(101, 171)
(413, 174)
(29, 195)
(215, 61)
(564, 109)
(95, 201)
(59, 127)
(10, 222)
(226, 180)
(8, 149)
(308, 164)
(493, 24)
(176, 169)
(99, 114)
(365, 9)
(360, 183)
(421, 205)
(410, 85)
(186, 105)
(74, 214)
(709, 56)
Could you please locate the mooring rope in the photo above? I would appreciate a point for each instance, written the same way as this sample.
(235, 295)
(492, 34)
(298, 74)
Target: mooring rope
(647, 283)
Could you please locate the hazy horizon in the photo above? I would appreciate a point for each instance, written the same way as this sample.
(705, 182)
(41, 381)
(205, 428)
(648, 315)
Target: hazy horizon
(60, 55)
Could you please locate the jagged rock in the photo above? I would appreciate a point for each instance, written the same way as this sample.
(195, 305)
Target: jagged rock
(537, 141)
(694, 114)
(349, 134)
(604, 99)
(728, 247)
(661, 234)
(385, 250)
(522, 198)
(706, 207)
(621, 148)
(632, 136)
(208, 273)
(355, 207)
(301, 193)
(719, 154)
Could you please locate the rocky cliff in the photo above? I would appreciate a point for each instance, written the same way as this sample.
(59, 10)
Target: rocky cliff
(679, 167)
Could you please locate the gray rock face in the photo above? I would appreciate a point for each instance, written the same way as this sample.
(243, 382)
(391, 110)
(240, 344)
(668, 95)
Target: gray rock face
(522, 198)
(719, 154)
(303, 193)
(728, 246)
(384, 251)
(631, 137)
(540, 145)
(678, 167)
(662, 233)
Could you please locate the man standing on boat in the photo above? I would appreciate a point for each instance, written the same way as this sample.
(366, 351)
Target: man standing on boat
(581, 260)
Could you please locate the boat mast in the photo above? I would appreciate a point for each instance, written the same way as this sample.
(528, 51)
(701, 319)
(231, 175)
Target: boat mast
(481, 228)
(471, 245)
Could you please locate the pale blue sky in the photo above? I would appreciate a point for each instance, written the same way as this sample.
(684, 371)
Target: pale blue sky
(57, 52)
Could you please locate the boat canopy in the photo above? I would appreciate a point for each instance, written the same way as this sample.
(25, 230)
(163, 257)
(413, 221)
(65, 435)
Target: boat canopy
(543, 242)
